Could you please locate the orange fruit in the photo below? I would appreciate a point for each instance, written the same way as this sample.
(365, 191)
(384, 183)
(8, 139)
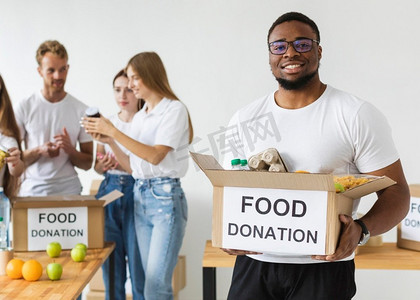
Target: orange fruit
(302, 171)
(14, 268)
(32, 270)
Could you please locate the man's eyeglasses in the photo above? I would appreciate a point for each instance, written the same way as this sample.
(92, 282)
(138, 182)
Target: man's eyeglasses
(300, 45)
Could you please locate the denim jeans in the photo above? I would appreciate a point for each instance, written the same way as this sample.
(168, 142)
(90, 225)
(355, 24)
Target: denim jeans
(119, 227)
(160, 217)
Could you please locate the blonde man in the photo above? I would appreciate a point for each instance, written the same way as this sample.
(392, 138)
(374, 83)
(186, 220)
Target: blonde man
(49, 126)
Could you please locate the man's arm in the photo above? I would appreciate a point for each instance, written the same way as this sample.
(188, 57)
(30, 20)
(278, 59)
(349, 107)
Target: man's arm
(390, 208)
(30, 156)
(393, 202)
(48, 149)
(83, 158)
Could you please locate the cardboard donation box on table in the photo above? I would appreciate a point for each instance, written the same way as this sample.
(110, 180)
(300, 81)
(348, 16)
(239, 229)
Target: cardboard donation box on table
(408, 231)
(279, 212)
(68, 220)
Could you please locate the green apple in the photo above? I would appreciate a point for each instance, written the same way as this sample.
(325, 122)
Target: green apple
(54, 249)
(78, 254)
(54, 271)
(339, 187)
(81, 245)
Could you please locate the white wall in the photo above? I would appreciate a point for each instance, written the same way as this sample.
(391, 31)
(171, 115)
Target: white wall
(216, 59)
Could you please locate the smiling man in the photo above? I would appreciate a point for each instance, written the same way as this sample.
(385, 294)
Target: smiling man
(49, 125)
(320, 129)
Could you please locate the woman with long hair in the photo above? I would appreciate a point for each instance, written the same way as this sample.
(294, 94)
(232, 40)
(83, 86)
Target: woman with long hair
(158, 143)
(11, 164)
(119, 215)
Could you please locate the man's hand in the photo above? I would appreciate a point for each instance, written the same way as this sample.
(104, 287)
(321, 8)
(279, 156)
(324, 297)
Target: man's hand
(349, 239)
(63, 142)
(49, 149)
(238, 252)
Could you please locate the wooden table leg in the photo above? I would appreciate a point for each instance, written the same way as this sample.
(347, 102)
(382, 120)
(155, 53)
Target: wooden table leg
(209, 283)
(111, 276)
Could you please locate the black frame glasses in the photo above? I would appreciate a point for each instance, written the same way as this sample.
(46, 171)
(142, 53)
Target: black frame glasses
(300, 45)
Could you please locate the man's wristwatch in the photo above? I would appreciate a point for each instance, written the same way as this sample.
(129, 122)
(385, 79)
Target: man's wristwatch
(365, 232)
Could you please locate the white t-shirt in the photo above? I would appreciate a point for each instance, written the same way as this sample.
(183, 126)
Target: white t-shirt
(338, 133)
(124, 127)
(166, 124)
(39, 121)
(6, 142)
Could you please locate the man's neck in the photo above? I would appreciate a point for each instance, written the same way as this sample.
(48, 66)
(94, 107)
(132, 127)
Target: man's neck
(295, 99)
(53, 96)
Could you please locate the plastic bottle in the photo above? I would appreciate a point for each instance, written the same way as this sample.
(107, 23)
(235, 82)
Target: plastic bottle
(3, 234)
(244, 164)
(92, 112)
(4, 215)
(236, 164)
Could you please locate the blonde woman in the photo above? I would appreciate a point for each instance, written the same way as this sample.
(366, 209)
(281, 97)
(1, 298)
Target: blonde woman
(158, 140)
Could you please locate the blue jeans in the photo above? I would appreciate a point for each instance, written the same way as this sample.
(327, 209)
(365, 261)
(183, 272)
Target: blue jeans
(119, 227)
(160, 217)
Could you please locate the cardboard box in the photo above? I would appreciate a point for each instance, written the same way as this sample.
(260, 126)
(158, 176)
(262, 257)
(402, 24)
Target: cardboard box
(68, 220)
(408, 231)
(94, 186)
(278, 212)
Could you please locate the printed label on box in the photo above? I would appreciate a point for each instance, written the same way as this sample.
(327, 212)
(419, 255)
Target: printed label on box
(66, 225)
(410, 225)
(274, 220)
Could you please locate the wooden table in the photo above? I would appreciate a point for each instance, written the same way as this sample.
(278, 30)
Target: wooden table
(76, 275)
(387, 257)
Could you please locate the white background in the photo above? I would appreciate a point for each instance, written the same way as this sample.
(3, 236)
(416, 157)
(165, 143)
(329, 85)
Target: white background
(216, 57)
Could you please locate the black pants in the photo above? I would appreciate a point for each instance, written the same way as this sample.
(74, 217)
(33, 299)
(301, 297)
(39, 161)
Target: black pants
(257, 280)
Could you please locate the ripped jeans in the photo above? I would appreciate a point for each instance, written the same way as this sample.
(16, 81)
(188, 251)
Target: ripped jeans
(160, 214)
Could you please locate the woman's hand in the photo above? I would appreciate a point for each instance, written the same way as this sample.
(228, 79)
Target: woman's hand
(14, 156)
(106, 162)
(98, 125)
(102, 138)
(14, 162)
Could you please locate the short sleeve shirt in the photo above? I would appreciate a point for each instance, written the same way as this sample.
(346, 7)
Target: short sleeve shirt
(167, 124)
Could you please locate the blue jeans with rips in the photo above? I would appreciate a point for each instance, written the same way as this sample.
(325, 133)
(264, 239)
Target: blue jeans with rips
(160, 216)
(120, 228)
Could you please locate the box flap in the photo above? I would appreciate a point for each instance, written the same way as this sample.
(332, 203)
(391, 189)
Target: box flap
(55, 201)
(65, 200)
(415, 190)
(206, 162)
(377, 184)
(111, 197)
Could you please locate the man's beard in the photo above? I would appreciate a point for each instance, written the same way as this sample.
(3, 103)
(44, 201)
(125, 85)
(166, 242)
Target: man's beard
(296, 84)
